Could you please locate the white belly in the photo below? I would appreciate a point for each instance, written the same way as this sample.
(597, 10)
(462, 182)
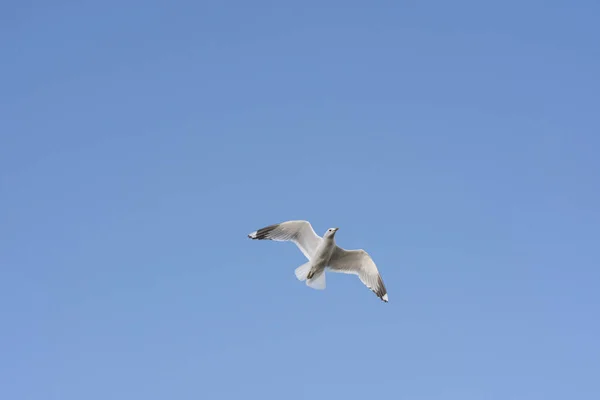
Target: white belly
(322, 255)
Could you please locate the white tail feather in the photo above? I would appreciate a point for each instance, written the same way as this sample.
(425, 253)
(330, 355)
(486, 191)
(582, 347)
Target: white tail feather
(302, 271)
(317, 281)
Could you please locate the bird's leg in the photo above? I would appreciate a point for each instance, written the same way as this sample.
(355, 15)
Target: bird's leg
(311, 273)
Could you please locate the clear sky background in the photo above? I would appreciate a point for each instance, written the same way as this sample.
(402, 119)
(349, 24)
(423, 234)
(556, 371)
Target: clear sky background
(456, 141)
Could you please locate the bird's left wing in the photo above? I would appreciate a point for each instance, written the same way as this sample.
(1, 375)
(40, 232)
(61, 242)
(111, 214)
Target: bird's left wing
(358, 262)
(299, 232)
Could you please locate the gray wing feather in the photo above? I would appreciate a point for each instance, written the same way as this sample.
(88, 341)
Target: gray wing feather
(300, 233)
(359, 262)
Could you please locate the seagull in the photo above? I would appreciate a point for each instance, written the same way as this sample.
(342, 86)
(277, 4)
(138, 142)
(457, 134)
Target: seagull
(323, 254)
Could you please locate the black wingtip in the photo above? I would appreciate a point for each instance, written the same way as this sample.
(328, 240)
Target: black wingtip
(262, 233)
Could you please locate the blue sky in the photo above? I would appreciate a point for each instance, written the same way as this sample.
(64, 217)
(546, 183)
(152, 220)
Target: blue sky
(457, 142)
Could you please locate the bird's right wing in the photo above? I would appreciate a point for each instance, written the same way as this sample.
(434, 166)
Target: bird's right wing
(359, 262)
(299, 232)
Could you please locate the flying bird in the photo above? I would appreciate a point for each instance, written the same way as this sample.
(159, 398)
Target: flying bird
(323, 254)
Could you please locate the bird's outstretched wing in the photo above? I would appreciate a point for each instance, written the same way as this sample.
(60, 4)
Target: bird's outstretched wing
(358, 262)
(299, 232)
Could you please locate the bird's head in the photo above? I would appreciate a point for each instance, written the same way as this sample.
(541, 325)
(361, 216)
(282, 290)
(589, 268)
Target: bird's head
(330, 232)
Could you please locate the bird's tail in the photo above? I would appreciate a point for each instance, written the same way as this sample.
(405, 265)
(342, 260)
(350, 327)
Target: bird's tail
(317, 281)
(302, 271)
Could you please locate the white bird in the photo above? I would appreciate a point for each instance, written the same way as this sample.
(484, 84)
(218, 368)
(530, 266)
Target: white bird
(323, 254)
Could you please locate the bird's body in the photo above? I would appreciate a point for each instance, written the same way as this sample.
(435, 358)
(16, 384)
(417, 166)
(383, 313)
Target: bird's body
(324, 254)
